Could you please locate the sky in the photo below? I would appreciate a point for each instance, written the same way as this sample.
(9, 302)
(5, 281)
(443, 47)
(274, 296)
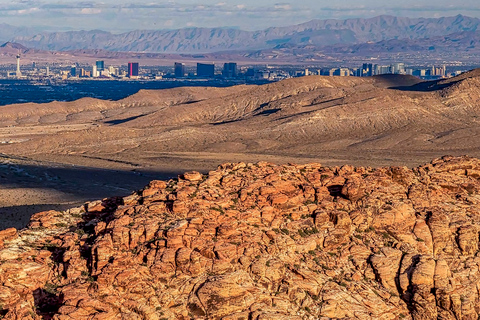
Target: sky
(125, 15)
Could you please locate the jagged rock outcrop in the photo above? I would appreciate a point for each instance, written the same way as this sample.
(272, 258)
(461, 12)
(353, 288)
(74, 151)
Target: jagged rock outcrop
(258, 241)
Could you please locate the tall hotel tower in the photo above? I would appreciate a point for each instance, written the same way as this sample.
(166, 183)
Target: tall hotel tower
(19, 73)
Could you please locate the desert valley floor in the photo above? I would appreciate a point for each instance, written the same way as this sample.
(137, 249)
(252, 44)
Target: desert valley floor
(61, 154)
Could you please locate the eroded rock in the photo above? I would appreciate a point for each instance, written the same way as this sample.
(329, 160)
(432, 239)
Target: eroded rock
(258, 242)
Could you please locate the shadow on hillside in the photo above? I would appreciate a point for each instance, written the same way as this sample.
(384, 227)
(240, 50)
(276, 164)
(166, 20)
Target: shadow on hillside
(120, 121)
(27, 189)
(408, 83)
(19, 216)
(413, 84)
(428, 86)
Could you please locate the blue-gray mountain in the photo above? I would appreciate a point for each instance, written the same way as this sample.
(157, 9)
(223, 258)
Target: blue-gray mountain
(449, 47)
(193, 40)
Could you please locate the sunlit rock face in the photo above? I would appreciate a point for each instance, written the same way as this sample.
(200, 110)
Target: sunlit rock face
(258, 241)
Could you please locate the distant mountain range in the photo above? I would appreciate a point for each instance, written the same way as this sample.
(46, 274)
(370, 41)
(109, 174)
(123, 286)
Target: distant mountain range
(317, 33)
(463, 46)
(467, 41)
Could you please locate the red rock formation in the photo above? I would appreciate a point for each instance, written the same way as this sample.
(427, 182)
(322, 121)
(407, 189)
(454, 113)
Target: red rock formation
(258, 241)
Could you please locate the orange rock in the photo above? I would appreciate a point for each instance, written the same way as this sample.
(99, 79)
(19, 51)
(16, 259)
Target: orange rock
(193, 176)
(46, 219)
(8, 234)
(258, 242)
(278, 199)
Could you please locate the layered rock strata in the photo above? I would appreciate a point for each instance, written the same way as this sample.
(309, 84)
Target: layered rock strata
(258, 241)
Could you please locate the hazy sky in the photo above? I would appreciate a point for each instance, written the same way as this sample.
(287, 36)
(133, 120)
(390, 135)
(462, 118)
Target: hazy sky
(124, 15)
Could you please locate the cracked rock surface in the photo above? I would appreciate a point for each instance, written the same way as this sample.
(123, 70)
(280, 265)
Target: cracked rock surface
(258, 241)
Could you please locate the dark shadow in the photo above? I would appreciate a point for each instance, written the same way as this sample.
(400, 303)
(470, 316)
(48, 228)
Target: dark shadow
(224, 122)
(423, 87)
(407, 296)
(19, 216)
(263, 105)
(335, 190)
(47, 301)
(397, 80)
(133, 164)
(324, 102)
(432, 85)
(120, 121)
(411, 83)
(268, 112)
(190, 102)
(70, 185)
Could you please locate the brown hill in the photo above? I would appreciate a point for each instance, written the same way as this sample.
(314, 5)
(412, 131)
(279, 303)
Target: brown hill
(258, 241)
(336, 120)
(316, 117)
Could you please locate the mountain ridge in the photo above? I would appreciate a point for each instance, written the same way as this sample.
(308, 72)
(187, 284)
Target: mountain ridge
(204, 40)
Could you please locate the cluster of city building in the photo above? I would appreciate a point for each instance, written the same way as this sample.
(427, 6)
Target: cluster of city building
(278, 73)
(230, 71)
(100, 71)
(369, 69)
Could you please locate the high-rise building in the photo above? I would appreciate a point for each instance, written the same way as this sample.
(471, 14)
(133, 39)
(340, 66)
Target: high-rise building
(398, 68)
(342, 72)
(18, 73)
(206, 70)
(230, 70)
(179, 70)
(73, 71)
(113, 70)
(94, 71)
(133, 69)
(367, 70)
(100, 65)
(378, 69)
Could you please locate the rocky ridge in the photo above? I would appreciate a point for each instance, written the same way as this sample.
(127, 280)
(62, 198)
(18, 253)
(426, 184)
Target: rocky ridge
(258, 241)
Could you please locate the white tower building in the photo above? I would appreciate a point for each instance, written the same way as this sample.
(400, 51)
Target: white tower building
(19, 73)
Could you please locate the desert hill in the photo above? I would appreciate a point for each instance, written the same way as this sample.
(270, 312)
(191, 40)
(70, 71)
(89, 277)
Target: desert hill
(326, 114)
(258, 241)
(386, 120)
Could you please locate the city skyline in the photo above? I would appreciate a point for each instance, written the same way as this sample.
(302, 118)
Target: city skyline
(121, 16)
(230, 71)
